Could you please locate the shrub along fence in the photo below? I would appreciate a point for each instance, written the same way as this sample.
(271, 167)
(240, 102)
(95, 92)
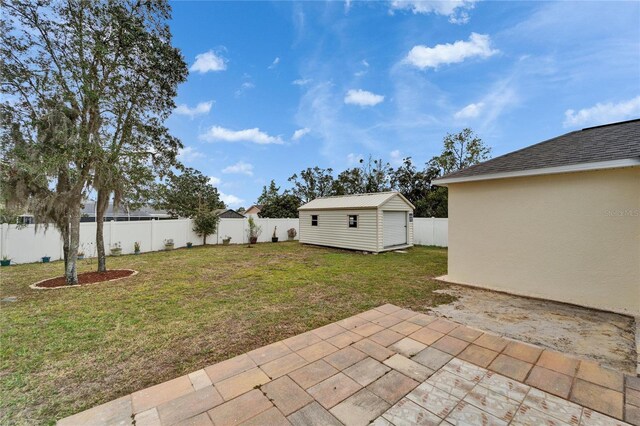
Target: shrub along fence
(24, 245)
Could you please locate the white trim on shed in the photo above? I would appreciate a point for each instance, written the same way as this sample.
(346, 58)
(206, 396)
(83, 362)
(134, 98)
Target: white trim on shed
(357, 222)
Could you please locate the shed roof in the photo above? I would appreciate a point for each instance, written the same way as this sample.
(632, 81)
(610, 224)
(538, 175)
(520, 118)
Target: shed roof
(610, 145)
(356, 201)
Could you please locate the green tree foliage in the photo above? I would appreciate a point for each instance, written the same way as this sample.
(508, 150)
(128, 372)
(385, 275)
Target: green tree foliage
(276, 204)
(188, 193)
(205, 223)
(312, 183)
(414, 184)
(461, 150)
(88, 85)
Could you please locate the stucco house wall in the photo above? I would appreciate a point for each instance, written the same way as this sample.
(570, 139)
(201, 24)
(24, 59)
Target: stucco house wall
(571, 237)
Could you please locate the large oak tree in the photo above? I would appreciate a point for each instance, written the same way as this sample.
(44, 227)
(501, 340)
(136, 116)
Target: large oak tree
(87, 86)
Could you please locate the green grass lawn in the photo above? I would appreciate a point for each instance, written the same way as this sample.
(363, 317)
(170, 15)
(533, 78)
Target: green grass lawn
(66, 350)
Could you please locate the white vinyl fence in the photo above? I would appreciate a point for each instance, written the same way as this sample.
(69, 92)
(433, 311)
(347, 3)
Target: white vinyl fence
(23, 245)
(430, 231)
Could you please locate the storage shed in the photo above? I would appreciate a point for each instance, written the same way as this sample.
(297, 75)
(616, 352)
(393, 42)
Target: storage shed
(558, 220)
(368, 222)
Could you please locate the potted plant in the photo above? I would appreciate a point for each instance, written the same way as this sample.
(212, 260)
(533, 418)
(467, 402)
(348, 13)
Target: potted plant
(274, 238)
(116, 249)
(254, 231)
(226, 240)
(168, 244)
(81, 252)
(46, 259)
(189, 244)
(291, 233)
(136, 247)
(5, 261)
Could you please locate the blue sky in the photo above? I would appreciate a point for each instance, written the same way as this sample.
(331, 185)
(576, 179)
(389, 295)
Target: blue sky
(275, 87)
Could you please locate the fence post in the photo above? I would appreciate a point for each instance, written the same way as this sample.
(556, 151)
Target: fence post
(3, 239)
(151, 236)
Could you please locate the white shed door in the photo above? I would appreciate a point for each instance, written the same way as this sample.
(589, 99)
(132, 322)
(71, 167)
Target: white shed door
(394, 228)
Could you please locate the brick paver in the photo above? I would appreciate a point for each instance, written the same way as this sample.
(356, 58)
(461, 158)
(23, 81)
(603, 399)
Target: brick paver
(333, 390)
(241, 383)
(286, 395)
(360, 408)
(313, 373)
(388, 366)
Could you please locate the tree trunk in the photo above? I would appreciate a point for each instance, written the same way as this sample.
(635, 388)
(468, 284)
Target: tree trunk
(101, 206)
(204, 240)
(71, 273)
(64, 232)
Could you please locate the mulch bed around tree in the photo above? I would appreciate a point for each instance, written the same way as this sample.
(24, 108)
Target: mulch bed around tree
(86, 278)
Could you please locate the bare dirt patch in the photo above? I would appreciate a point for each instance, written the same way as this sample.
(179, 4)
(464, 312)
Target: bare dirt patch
(604, 337)
(86, 278)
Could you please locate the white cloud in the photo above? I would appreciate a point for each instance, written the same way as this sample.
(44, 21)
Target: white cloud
(215, 181)
(301, 81)
(247, 85)
(275, 63)
(396, 157)
(188, 154)
(200, 109)
(479, 45)
(360, 73)
(470, 111)
(300, 133)
(209, 61)
(362, 98)
(231, 200)
(603, 113)
(240, 167)
(255, 135)
(456, 10)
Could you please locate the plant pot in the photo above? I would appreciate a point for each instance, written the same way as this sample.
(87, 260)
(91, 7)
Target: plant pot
(46, 259)
(226, 241)
(253, 240)
(80, 256)
(136, 252)
(116, 252)
(168, 246)
(5, 262)
(274, 239)
(189, 245)
(291, 239)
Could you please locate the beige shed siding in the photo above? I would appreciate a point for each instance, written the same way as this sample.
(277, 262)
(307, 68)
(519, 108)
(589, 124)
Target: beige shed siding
(394, 204)
(571, 237)
(333, 229)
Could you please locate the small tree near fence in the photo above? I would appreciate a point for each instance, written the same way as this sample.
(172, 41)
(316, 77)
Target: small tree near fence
(254, 231)
(205, 223)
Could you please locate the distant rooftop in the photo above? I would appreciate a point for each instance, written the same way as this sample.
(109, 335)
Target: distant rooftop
(606, 146)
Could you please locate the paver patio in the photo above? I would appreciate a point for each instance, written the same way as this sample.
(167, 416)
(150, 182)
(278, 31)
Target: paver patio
(386, 366)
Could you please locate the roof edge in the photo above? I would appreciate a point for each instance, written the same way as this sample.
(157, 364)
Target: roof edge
(389, 194)
(580, 167)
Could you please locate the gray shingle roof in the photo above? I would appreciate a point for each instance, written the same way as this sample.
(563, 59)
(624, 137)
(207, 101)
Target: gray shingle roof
(610, 142)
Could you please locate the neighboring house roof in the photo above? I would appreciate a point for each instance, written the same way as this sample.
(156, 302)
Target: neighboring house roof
(228, 214)
(256, 207)
(601, 147)
(357, 201)
(89, 210)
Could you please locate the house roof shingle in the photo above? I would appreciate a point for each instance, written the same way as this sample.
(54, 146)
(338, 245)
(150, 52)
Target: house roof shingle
(610, 142)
